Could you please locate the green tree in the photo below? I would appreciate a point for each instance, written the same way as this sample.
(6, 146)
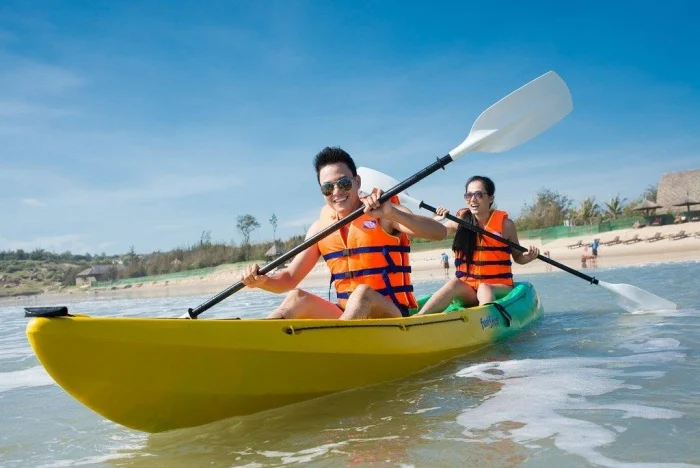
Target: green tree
(273, 222)
(588, 212)
(246, 224)
(37, 254)
(650, 193)
(615, 207)
(205, 239)
(550, 208)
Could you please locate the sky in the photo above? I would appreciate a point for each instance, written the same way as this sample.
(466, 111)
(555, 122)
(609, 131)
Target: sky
(146, 123)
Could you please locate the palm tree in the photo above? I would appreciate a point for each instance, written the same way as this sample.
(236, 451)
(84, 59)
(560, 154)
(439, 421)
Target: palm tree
(615, 206)
(589, 210)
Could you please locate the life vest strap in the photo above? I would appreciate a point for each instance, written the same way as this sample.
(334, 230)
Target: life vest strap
(461, 274)
(488, 248)
(460, 262)
(493, 262)
(362, 250)
(370, 271)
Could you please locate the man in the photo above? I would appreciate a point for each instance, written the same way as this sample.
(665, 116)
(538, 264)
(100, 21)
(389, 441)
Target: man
(595, 245)
(445, 260)
(368, 257)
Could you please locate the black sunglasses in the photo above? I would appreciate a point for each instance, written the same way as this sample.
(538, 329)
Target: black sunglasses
(478, 195)
(344, 184)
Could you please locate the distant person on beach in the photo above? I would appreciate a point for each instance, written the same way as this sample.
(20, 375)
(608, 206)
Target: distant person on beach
(445, 260)
(594, 247)
(483, 264)
(548, 267)
(588, 257)
(367, 258)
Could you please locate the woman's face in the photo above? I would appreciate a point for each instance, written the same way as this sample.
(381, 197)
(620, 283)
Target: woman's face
(478, 201)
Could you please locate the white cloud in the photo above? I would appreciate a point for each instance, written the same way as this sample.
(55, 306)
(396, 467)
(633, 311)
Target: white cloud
(66, 192)
(33, 202)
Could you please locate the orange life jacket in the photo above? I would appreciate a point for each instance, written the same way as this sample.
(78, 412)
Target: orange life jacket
(491, 260)
(371, 257)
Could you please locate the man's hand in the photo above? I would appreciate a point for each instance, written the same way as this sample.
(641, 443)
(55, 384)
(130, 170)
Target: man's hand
(252, 278)
(374, 208)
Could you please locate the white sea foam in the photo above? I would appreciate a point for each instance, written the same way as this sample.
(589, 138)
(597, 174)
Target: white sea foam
(538, 397)
(32, 377)
(307, 455)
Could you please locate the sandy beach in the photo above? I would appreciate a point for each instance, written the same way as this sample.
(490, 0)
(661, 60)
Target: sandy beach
(426, 265)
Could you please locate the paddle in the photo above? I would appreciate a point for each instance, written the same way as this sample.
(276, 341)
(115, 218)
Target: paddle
(515, 119)
(630, 298)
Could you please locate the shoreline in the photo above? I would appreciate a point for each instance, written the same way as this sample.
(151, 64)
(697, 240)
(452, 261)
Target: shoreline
(426, 266)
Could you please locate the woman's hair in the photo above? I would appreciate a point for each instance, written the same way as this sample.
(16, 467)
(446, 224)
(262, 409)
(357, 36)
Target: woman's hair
(464, 243)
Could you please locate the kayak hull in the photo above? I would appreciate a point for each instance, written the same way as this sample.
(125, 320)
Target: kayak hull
(155, 375)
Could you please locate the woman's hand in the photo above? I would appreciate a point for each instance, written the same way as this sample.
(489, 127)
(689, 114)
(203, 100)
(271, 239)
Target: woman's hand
(530, 255)
(440, 213)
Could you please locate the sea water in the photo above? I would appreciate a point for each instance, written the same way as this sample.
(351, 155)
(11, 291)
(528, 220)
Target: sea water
(587, 385)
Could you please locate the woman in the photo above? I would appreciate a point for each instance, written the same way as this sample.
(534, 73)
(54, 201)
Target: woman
(483, 264)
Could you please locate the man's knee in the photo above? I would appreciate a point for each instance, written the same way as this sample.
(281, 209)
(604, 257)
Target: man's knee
(289, 308)
(296, 295)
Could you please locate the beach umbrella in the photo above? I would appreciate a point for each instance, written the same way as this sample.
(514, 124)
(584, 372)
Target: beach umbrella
(646, 206)
(687, 202)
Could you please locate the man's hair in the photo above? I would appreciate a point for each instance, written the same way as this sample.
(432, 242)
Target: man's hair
(333, 155)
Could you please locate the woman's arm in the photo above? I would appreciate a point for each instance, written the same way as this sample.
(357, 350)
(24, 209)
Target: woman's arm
(511, 233)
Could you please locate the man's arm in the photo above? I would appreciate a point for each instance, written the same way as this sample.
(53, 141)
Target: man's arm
(402, 219)
(405, 221)
(290, 277)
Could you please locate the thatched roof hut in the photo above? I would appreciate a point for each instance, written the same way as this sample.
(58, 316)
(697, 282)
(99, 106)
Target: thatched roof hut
(273, 252)
(675, 187)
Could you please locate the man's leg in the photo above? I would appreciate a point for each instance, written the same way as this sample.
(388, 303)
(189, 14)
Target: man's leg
(303, 305)
(364, 302)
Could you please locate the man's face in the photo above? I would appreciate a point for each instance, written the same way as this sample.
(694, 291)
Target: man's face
(342, 201)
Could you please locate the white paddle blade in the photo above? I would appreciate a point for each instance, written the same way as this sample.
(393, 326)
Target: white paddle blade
(371, 179)
(634, 299)
(519, 117)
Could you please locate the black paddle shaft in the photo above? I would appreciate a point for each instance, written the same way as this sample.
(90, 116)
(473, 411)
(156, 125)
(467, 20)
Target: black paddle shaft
(440, 163)
(513, 245)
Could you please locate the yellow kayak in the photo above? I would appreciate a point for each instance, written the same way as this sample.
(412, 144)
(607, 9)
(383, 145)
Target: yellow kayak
(159, 374)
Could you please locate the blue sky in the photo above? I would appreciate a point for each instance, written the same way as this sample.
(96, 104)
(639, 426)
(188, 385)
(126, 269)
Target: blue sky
(146, 123)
